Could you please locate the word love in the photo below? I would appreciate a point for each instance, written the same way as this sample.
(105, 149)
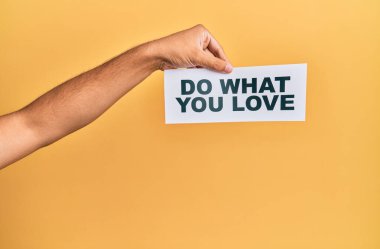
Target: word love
(253, 102)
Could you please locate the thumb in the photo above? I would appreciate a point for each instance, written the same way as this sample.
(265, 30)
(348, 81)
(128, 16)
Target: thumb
(214, 63)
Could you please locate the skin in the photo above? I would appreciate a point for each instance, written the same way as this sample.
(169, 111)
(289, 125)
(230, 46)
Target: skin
(80, 100)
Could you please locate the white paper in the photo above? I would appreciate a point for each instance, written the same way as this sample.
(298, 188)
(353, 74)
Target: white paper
(185, 104)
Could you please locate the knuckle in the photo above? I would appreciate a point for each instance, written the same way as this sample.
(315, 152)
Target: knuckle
(200, 27)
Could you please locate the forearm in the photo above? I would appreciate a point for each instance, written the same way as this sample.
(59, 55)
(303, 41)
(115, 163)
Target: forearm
(73, 104)
(82, 99)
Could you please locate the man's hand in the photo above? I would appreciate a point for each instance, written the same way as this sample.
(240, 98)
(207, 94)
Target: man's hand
(80, 100)
(194, 47)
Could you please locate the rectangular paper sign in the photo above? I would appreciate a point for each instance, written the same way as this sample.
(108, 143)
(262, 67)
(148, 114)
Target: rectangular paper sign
(262, 93)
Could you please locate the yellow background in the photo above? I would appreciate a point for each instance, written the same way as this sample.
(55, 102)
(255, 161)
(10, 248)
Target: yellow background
(130, 181)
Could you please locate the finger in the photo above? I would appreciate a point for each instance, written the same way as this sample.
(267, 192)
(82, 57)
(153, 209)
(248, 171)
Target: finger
(208, 52)
(229, 69)
(216, 49)
(209, 61)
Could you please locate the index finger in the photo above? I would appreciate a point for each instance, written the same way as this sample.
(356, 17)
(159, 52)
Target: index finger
(216, 49)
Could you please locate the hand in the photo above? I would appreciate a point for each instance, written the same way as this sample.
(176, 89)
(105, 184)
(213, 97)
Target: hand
(194, 47)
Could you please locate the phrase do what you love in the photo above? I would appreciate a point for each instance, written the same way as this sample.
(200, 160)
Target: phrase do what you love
(266, 93)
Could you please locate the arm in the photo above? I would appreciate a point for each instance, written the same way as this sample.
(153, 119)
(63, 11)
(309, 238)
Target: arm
(79, 101)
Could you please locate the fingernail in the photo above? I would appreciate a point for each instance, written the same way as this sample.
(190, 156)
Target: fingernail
(228, 68)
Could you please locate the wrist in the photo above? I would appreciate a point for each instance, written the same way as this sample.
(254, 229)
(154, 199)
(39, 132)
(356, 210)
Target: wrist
(152, 55)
